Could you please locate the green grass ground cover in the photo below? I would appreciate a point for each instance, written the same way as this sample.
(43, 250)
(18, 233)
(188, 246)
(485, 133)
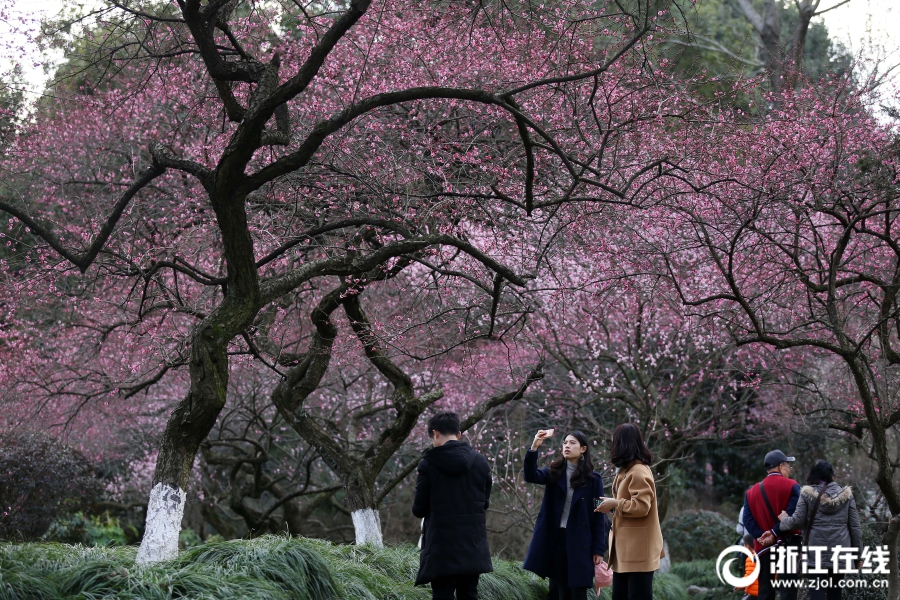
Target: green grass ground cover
(268, 568)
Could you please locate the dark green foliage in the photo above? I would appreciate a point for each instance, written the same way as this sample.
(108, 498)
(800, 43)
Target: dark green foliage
(188, 538)
(267, 568)
(11, 101)
(698, 572)
(822, 55)
(90, 531)
(698, 534)
(736, 464)
(871, 537)
(93, 61)
(720, 46)
(41, 479)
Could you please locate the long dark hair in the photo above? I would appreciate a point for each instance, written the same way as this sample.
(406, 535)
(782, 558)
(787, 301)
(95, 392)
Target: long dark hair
(628, 445)
(584, 469)
(820, 472)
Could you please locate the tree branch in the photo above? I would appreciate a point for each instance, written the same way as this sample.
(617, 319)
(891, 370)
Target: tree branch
(359, 322)
(752, 16)
(85, 259)
(396, 480)
(498, 399)
(578, 76)
(323, 129)
(277, 286)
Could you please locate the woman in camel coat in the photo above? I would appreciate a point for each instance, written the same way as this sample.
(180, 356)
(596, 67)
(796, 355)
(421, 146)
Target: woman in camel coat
(635, 540)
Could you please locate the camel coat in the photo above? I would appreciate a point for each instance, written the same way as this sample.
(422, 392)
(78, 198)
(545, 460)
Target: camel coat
(635, 540)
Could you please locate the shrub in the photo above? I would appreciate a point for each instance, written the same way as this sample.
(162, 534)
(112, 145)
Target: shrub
(871, 537)
(698, 572)
(698, 534)
(41, 479)
(188, 538)
(88, 531)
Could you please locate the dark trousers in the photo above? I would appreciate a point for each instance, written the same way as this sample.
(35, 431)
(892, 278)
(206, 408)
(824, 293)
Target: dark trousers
(766, 590)
(564, 593)
(559, 581)
(465, 586)
(832, 592)
(633, 586)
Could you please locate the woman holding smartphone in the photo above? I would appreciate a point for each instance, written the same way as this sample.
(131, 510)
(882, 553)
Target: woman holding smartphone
(635, 542)
(569, 538)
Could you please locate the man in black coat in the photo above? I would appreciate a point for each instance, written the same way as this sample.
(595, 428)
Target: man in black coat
(453, 489)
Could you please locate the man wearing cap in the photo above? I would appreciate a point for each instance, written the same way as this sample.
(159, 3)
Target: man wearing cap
(762, 503)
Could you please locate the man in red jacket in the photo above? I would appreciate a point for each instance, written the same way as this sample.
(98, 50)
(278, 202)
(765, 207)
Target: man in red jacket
(762, 503)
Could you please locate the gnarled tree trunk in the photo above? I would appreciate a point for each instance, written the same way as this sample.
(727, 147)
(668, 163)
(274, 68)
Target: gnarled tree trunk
(359, 472)
(361, 499)
(195, 416)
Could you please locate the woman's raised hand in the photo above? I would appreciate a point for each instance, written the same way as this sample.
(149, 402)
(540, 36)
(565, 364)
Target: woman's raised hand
(540, 436)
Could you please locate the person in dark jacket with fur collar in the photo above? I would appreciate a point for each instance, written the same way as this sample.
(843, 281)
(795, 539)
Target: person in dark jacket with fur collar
(835, 522)
(453, 489)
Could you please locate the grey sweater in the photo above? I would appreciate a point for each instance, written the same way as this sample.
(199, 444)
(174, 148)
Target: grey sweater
(836, 522)
(570, 469)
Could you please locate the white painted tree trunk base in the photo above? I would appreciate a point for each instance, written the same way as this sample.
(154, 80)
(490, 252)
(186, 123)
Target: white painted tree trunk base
(665, 563)
(164, 512)
(367, 524)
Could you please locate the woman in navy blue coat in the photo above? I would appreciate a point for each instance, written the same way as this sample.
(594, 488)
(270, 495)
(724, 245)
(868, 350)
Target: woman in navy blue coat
(569, 538)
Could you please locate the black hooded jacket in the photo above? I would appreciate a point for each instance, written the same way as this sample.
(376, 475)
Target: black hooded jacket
(453, 489)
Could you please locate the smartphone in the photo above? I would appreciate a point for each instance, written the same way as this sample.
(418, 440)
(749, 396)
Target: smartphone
(598, 502)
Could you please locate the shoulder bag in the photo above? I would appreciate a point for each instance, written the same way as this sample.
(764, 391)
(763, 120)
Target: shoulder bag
(791, 540)
(812, 514)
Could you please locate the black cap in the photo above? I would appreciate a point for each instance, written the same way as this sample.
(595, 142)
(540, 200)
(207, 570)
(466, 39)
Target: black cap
(776, 457)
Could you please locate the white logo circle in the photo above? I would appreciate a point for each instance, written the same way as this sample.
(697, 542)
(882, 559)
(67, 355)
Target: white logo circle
(724, 572)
